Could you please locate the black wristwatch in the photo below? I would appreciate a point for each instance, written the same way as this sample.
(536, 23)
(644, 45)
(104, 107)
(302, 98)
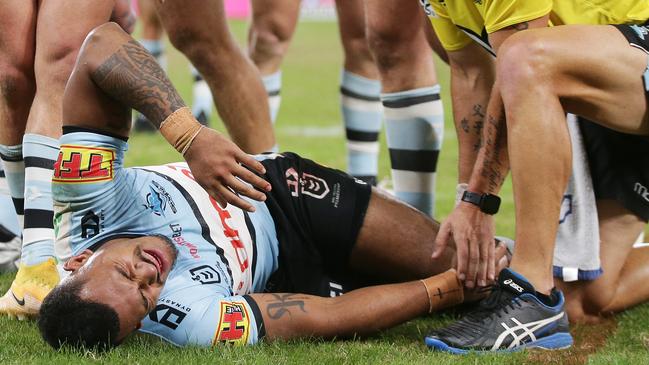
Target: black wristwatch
(488, 203)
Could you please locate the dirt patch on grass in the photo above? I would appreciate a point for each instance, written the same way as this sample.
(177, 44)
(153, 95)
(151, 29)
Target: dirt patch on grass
(589, 338)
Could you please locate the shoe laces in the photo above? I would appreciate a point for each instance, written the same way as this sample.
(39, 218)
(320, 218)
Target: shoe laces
(498, 300)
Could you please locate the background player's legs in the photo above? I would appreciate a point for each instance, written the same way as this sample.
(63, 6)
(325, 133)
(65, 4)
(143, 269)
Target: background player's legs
(198, 28)
(17, 88)
(269, 36)
(413, 110)
(623, 283)
(151, 40)
(396, 241)
(545, 73)
(360, 93)
(60, 30)
(10, 241)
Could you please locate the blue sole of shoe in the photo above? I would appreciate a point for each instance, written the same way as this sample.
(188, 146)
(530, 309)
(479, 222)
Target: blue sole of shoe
(555, 341)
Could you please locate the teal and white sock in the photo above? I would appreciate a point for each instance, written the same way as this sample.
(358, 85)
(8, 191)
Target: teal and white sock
(40, 154)
(273, 86)
(414, 122)
(14, 170)
(361, 109)
(202, 98)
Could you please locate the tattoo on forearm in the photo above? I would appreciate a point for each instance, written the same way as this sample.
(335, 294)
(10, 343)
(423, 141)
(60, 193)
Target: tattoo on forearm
(132, 76)
(464, 123)
(281, 304)
(494, 166)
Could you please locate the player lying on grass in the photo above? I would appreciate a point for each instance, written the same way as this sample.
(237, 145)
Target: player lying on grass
(151, 250)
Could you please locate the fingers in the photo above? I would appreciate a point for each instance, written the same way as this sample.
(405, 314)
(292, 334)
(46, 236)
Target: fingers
(483, 264)
(233, 199)
(474, 260)
(244, 189)
(249, 161)
(252, 179)
(462, 248)
(491, 262)
(443, 235)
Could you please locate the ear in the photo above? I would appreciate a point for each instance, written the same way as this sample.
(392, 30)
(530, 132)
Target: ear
(74, 263)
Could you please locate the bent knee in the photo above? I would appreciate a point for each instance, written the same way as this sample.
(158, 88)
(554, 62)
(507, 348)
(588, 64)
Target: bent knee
(16, 85)
(587, 307)
(524, 60)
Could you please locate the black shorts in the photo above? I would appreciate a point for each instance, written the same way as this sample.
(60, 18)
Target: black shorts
(318, 213)
(638, 37)
(619, 166)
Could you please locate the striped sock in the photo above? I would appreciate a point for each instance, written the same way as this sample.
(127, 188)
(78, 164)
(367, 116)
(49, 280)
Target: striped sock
(202, 98)
(361, 110)
(273, 86)
(8, 218)
(414, 122)
(14, 169)
(40, 153)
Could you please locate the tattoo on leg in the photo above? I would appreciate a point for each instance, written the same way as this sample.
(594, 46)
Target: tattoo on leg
(132, 76)
(281, 305)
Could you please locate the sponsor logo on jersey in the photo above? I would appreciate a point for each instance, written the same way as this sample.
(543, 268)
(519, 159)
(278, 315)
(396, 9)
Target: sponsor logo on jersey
(640, 31)
(91, 224)
(234, 324)
(177, 237)
(158, 199)
(205, 275)
(642, 191)
(82, 164)
(306, 184)
(168, 315)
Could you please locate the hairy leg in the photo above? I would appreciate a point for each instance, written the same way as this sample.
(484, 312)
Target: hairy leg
(198, 28)
(545, 73)
(625, 268)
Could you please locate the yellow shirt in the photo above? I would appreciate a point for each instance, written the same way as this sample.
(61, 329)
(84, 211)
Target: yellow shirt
(456, 22)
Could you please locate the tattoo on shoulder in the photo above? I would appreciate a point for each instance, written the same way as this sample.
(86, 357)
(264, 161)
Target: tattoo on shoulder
(132, 76)
(282, 304)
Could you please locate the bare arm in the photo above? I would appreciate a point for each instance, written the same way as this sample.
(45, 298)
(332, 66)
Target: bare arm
(359, 312)
(114, 73)
(472, 77)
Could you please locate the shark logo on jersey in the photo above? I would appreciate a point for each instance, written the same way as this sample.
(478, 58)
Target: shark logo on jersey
(157, 200)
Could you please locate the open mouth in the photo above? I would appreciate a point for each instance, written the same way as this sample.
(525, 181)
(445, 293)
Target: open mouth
(157, 259)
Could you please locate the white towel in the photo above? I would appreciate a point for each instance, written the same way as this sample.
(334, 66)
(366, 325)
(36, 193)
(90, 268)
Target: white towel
(576, 255)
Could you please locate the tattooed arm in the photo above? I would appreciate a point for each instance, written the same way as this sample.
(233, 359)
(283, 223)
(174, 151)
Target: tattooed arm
(114, 73)
(472, 76)
(359, 312)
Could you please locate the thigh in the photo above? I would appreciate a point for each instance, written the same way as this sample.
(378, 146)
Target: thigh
(202, 22)
(595, 71)
(396, 20)
(351, 23)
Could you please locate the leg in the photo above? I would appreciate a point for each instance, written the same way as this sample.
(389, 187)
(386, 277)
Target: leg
(273, 25)
(397, 246)
(151, 40)
(413, 110)
(17, 88)
(545, 73)
(360, 93)
(625, 268)
(198, 28)
(53, 63)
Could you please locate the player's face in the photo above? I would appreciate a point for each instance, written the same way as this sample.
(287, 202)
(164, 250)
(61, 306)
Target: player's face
(128, 275)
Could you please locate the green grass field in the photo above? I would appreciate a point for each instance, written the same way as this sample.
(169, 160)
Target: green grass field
(309, 123)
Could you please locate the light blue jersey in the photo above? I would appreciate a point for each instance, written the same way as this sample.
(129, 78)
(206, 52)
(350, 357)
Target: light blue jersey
(223, 254)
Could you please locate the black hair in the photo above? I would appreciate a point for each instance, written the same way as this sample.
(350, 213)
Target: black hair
(67, 319)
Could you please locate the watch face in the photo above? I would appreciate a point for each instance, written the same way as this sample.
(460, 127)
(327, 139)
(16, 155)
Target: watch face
(490, 204)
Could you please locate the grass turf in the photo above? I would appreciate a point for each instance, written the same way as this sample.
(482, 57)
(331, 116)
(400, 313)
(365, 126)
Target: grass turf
(309, 123)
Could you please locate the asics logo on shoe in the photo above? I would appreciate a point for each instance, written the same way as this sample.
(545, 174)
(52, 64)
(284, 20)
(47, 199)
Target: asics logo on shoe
(526, 331)
(20, 302)
(513, 285)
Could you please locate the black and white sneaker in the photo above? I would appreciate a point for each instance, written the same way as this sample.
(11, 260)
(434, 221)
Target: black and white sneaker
(511, 318)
